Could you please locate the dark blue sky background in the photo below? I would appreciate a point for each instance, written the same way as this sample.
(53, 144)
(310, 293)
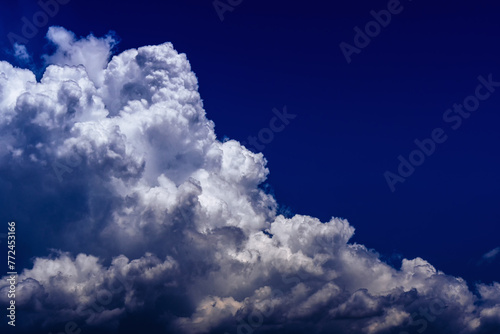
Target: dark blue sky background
(353, 120)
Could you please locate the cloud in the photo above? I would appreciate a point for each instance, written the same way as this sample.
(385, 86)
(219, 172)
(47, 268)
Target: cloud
(492, 254)
(158, 226)
(91, 52)
(21, 54)
(489, 256)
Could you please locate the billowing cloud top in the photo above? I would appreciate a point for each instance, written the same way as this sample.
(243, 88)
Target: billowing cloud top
(160, 227)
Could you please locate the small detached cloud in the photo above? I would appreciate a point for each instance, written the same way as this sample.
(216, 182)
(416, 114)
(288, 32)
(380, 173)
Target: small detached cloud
(490, 256)
(21, 54)
(159, 227)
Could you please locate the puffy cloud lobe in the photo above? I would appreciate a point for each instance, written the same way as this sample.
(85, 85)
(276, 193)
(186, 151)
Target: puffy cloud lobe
(91, 52)
(166, 223)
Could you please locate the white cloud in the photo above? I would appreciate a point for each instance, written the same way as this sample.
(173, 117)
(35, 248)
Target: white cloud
(21, 54)
(91, 52)
(167, 221)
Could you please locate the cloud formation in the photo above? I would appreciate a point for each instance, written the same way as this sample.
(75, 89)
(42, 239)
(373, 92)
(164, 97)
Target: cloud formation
(156, 226)
(490, 256)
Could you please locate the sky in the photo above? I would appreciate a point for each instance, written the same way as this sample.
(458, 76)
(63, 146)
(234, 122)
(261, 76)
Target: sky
(341, 153)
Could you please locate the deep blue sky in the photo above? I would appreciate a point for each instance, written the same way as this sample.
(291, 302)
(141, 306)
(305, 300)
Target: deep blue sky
(353, 119)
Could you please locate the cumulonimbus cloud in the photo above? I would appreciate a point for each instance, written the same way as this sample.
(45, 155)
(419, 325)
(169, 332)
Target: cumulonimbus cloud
(160, 227)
